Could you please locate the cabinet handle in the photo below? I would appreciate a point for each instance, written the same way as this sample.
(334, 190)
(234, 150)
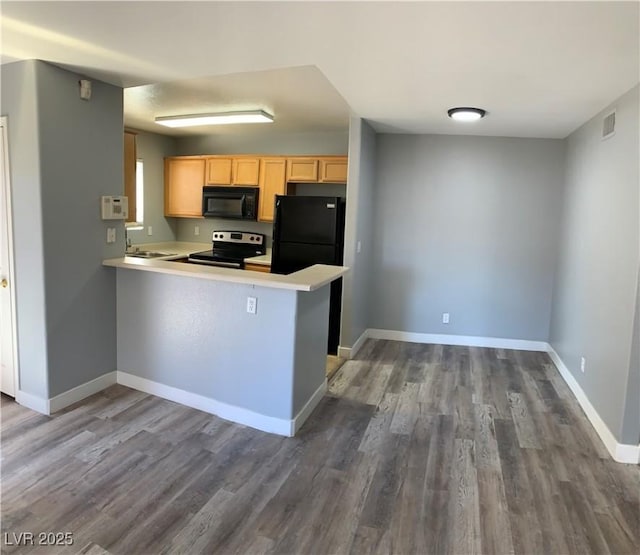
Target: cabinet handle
(4, 283)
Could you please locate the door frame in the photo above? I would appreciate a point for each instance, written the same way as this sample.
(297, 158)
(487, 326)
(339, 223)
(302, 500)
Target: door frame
(6, 181)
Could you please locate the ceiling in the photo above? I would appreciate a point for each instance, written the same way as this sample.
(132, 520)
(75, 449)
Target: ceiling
(301, 98)
(540, 69)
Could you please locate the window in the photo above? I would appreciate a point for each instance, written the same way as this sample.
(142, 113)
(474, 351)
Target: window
(139, 191)
(133, 182)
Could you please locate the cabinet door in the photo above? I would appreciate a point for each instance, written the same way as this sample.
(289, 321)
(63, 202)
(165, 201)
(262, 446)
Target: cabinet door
(333, 170)
(245, 171)
(257, 267)
(219, 171)
(302, 169)
(272, 183)
(183, 182)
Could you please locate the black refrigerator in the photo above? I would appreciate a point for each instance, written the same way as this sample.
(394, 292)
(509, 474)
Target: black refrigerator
(308, 231)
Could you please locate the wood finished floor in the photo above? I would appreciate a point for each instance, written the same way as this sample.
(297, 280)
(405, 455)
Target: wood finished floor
(416, 449)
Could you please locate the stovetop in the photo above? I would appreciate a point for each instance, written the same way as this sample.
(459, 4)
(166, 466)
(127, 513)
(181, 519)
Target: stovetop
(230, 248)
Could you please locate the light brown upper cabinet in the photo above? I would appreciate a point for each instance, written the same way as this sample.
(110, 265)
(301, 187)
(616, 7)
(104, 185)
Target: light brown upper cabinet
(130, 172)
(233, 171)
(333, 170)
(272, 183)
(183, 182)
(245, 171)
(302, 169)
(219, 171)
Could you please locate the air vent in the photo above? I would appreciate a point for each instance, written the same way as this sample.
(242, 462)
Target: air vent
(609, 125)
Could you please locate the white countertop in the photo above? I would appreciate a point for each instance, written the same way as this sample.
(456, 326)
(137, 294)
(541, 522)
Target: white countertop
(174, 249)
(263, 260)
(309, 279)
(179, 249)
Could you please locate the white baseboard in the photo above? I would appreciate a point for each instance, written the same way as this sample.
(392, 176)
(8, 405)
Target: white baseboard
(462, 340)
(306, 411)
(33, 402)
(620, 452)
(280, 426)
(351, 352)
(626, 453)
(81, 392)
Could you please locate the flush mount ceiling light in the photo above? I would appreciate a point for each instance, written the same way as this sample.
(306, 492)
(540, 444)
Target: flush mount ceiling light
(222, 118)
(466, 114)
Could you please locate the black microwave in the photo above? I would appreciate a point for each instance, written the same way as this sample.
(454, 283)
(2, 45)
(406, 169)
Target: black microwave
(235, 203)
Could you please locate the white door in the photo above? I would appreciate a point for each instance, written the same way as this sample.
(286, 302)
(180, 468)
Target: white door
(7, 315)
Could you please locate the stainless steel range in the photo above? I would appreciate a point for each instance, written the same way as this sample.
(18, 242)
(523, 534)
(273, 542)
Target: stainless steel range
(230, 248)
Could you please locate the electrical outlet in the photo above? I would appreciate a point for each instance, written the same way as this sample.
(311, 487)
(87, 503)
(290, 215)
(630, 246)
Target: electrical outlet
(111, 235)
(445, 317)
(583, 363)
(196, 230)
(149, 230)
(252, 305)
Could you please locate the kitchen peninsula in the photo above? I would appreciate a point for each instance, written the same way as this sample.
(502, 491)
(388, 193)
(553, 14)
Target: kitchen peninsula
(185, 334)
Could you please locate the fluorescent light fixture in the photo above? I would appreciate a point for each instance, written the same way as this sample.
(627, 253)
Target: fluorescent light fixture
(222, 118)
(466, 114)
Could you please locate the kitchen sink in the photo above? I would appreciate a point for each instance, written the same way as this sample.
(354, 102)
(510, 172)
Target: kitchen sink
(149, 254)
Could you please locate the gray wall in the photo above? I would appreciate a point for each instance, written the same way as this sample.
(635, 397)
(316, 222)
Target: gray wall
(81, 146)
(152, 149)
(64, 154)
(356, 298)
(19, 104)
(631, 418)
(185, 228)
(466, 225)
(310, 358)
(265, 142)
(596, 284)
(320, 190)
(217, 349)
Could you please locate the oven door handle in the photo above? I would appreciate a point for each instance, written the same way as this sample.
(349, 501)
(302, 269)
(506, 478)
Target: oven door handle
(211, 263)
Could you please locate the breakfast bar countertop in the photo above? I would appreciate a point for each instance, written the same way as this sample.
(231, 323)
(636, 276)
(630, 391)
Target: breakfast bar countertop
(308, 279)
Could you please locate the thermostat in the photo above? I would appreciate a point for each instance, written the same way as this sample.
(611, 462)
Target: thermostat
(115, 208)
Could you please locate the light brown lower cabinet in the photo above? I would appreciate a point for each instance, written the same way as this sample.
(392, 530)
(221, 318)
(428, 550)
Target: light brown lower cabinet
(257, 267)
